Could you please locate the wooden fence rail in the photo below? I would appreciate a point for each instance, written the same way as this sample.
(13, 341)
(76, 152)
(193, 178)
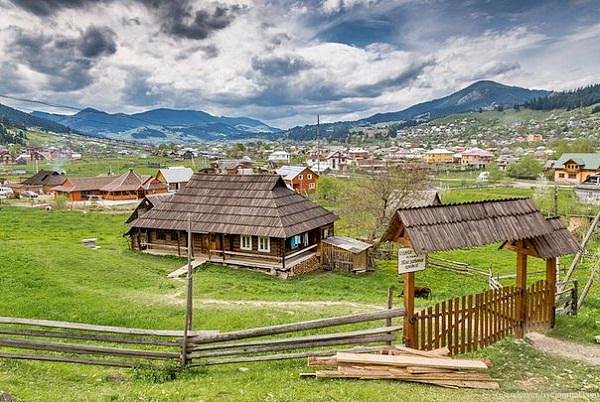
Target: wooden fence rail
(68, 342)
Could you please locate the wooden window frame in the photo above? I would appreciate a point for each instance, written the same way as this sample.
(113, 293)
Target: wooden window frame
(261, 239)
(249, 246)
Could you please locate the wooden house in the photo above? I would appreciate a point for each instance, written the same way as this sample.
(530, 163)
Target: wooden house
(231, 166)
(174, 177)
(346, 254)
(576, 167)
(43, 182)
(128, 186)
(254, 221)
(301, 179)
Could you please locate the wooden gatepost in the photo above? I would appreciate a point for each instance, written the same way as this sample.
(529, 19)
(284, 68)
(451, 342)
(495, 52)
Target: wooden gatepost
(470, 322)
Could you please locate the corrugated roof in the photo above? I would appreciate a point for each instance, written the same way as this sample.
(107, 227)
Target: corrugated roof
(290, 172)
(588, 160)
(347, 243)
(177, 174)
(258, 205)
(446, 227)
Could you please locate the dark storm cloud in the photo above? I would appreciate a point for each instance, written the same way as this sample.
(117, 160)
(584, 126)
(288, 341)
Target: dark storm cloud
(97, 41)
(180, 19)
(66, 61)
(44, 8)
(280, 66)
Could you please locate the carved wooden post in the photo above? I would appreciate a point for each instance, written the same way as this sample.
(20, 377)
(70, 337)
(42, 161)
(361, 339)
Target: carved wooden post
(551, 280)
(521, 299)
(409, 310)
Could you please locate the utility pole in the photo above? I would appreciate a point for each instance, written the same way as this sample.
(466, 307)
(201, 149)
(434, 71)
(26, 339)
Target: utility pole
(318, 149)
(189, 302)
(555, 200)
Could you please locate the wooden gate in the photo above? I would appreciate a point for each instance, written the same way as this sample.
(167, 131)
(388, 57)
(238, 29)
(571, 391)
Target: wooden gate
(468, 323)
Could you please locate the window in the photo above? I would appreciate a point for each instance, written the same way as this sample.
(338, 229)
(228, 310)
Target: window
(161, 235)
(561, 175)
(325, 233)
(264, 244)
(300, 177)
(311, 186)
(572, 175)
(309, 176)
(305, 239)
(246, 242)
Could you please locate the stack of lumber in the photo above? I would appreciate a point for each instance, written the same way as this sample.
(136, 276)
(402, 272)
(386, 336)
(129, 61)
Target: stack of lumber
(405, 364)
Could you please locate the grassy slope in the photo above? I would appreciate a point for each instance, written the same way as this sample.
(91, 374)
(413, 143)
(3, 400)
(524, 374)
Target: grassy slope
(47, 273)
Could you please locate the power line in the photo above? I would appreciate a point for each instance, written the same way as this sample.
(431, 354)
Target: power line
(39, 102)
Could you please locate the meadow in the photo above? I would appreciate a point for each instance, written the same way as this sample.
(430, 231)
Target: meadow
(47, 273)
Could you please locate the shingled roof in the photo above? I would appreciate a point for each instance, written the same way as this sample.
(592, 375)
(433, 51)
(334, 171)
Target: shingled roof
(446, 227)
(258, 205)
(557, 243)
(46, 178)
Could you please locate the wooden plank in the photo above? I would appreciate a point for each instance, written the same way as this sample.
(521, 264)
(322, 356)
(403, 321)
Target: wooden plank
(455, 325)
(85, 349)
(404, 361)
(422, 329)
(98, 328)
(390, 305)
(470, 323)
(463, 317)
(477, 321)
(295, 346)
(83, 336)
(424, 370)
(436, 344)
(282, 356)
(437, 353)
(349, 372)
(444, 332)
(301, 339)
(299, 326)
(429, 328)
(66, 359)
(449, 324)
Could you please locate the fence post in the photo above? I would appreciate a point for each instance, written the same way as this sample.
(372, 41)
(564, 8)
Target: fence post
(551, 283)
(390, 302)
(409, 310)
(521, 299)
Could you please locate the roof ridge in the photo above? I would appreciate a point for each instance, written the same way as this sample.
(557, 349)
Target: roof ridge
(454, 204)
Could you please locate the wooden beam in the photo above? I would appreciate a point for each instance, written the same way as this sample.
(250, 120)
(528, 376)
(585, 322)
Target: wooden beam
(298, 326)
(406, 360)
(521, 300)
(410, 333)
(551, 280)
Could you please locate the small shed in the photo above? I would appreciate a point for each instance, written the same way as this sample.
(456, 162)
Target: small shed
(344, 253)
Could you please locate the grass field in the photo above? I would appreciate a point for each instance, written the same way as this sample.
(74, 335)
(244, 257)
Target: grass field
(47, 273)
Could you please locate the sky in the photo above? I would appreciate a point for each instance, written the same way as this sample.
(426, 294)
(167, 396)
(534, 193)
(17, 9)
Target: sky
(284, 61)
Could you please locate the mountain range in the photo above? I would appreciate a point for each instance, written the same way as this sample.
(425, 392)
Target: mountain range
(172, 125)
(482, 95)
(161, 125)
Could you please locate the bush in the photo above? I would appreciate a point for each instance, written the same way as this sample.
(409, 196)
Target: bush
(59, 202)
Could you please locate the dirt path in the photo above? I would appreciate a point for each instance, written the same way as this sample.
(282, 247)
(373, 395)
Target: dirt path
(177, 298)
(586, 353)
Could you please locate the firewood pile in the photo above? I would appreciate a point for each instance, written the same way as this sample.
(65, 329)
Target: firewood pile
(405, 364)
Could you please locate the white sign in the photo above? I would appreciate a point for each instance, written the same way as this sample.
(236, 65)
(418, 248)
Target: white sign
(409, 261)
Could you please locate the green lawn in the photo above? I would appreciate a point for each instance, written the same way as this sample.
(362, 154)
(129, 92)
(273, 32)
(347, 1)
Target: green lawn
(47, 273)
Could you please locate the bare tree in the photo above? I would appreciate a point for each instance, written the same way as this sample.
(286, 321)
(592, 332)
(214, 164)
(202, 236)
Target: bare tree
(376, 196)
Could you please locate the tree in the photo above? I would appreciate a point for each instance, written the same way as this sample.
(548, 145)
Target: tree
(527, 168)
(495, 174)
(375, 197)
(328, 189)
(581, 145)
